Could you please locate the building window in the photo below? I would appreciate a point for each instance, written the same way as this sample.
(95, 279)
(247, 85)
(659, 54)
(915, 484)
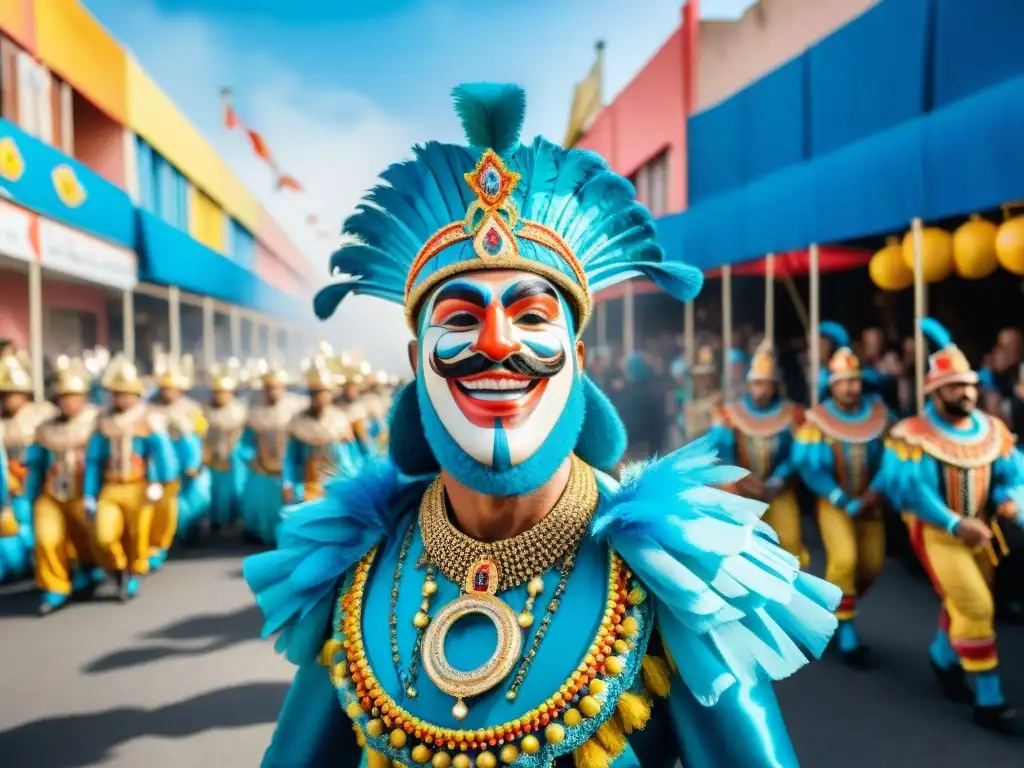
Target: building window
(35, 105)
(241, 245)
(163, 190)
(8, 80)
(651, 182)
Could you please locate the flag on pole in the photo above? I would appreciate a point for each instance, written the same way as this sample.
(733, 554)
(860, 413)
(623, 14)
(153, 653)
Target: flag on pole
(230, 116)
(259, 146)
(587, 99)
(287, 181)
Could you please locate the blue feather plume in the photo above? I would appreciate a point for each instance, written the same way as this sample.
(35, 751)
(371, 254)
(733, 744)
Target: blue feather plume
(936, 333)
(492, 114)
(835, 333)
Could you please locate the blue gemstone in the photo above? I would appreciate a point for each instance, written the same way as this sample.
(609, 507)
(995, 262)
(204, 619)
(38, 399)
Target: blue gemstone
(491, 181)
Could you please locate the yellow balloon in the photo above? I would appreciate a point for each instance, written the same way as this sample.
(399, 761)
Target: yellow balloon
(1010, 245)
(937, 254)
(887, 269)
(974, 249)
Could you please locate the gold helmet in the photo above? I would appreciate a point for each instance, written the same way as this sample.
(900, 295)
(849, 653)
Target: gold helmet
(73, 376)
(226, 377)
(122, 377)
(318, 375)
(272, 373)
(14, 376)
(96, 360)
(171, 372)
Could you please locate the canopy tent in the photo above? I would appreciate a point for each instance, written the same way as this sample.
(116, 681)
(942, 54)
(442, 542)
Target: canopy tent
(798, 263)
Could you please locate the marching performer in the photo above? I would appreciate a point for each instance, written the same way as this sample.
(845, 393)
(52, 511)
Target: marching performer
(838, 452)
(264, 444)
(321, 442)
(756, 433)
(19, 419)
(56, 480)
(129, 462)
(512, 523)
(223, 455)
(187, 498)
(705, 399)
(362, 412)
(957, 475)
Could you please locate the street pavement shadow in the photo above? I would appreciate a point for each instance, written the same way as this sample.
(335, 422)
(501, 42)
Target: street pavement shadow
(73, 741)
(18, 599)
(219, 631)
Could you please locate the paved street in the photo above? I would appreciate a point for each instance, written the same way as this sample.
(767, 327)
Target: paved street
(177, 680)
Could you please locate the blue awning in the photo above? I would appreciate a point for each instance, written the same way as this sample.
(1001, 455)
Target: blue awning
(171, 257)
(965, 157)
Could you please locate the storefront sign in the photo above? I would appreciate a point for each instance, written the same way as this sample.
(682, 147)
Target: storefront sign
(16, 238)
(74, 253)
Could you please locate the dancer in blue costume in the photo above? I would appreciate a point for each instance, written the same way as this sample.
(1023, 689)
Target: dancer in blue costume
(321, 442)
(226, 417)
(19, 419)
(957, 475)
(362, 411)
(176, 517)
(756, 433)
(263, 447)
(839, 453)
(628, 624)
(705, 398)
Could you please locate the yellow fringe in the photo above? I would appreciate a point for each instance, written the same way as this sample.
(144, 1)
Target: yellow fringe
(657, 676)
(377, 760)
(611, 738)
(633, 712)
(591, 755)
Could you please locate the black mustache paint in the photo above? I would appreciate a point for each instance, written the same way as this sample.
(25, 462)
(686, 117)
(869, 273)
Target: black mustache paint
(516, 363)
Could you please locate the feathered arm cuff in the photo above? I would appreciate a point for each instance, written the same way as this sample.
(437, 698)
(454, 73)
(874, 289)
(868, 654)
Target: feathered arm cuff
(295, 585)
(733, 608)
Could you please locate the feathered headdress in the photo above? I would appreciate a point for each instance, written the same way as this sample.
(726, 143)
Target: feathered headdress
(843, 364)
(947, 365)
(762, 365)
(498, 204)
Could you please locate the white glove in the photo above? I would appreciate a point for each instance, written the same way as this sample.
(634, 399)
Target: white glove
(154, 492)
(90, 506)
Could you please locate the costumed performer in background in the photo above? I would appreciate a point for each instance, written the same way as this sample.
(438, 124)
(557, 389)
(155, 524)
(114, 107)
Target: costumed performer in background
(223, 452)
(637, 623)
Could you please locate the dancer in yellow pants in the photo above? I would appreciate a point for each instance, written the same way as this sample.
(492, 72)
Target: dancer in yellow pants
(130, 459)
(756, 433)
(956, 473)
(839, 452)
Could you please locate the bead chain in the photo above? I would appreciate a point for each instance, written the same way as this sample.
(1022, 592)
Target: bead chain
(403, 553)
(407, 679)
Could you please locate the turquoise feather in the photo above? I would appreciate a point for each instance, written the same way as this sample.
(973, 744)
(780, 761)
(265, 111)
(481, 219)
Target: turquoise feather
(492, 114)
(936, 333)
(835, 333)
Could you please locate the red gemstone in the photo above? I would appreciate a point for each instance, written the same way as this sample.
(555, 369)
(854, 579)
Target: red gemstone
(492, 239)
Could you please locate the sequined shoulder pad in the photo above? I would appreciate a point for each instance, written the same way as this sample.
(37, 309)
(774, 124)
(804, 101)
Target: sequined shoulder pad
(864, 430)
(753, 424)
(919, 433)
(590, 712)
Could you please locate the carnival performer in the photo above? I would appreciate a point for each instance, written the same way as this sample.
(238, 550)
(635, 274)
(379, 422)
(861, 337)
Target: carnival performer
(265, 442)
(96, 361)
(956, 474)
(321, 442)
(362, 412)
(65, 550)
(756, 433)
(223, 447)
(186, 500)
(495, 250)
(839, 453)
(19, 419)
(129, 462)
(706, 398)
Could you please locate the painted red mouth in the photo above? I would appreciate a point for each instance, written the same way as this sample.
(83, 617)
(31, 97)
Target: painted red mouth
(491, 395)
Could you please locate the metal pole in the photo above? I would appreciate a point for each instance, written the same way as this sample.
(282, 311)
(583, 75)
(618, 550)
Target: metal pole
(689, 333)
(254, 338)
(128, 331)
(815, 321)
(628, 339)
(35, 328)
(235, 318)
(726, 330)
(920, 310)
(174, 310)
(209, 335)
(769, 298)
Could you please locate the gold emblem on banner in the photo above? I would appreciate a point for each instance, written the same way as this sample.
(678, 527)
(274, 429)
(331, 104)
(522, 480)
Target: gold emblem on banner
(12, 166)
(69, 189)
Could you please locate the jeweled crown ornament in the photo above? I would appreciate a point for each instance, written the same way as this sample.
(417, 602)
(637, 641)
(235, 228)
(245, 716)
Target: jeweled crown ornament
(499, 204)
(73, 376)
(762, 365)
(122, 376)
(14, 376)
(947, 365)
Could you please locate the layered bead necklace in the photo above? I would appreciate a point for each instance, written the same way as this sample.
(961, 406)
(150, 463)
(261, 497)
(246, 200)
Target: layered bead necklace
(483, 570)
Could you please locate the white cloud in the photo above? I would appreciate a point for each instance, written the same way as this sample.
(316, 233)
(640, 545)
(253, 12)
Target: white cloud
(335, 142)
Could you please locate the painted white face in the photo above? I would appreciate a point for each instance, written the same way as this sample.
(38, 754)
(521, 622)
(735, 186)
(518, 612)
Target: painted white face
(496, 354)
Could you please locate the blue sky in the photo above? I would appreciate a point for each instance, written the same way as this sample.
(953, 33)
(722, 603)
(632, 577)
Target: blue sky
(341, 88)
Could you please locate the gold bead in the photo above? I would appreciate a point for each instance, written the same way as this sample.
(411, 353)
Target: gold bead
(509, 754)
(375, 728)
(429, 588)
(398, 738)
(635, 596)
(554, 733)
(589, 706)
(535, 586)
(420, 754)
(441, 760)
(596, 686)
(572, 717)
(629, 626)
(420, 620)
(613, 665)
(525, 620)
(510, 696)
(459, 711)
(462, 761)
(530, 745)
(354, 710)
(486, 760)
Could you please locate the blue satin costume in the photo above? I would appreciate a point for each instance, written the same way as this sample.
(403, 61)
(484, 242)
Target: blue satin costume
(769, 457)
(679, 609)
(335, 451)
(225, 459)
(14, 559)
(263, 449)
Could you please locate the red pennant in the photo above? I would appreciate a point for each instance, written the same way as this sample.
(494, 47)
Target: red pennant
(284, 181)
(259, 146)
